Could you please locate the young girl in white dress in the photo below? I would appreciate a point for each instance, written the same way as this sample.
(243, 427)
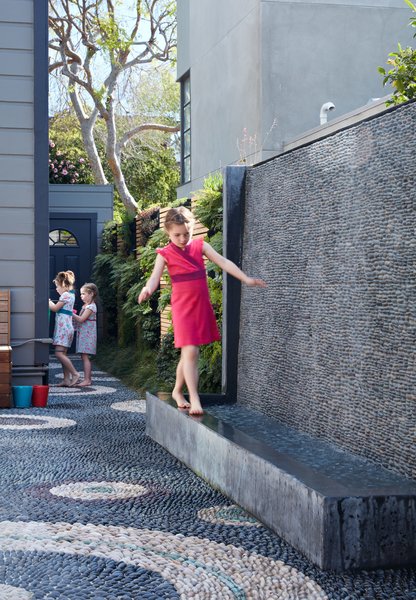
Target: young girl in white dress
(86, 327)
(64, 329)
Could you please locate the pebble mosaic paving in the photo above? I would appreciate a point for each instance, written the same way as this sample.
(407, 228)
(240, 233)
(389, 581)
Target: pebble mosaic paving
(91, 508)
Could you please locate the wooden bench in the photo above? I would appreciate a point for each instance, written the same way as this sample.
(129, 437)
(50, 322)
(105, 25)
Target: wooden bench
(5, 351)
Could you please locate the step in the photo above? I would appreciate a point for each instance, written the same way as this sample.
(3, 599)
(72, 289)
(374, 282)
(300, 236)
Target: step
(341, 511)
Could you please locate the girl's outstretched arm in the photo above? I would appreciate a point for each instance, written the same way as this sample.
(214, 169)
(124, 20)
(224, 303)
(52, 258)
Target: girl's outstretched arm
(55, 306)
(153, 281)
(230, 267)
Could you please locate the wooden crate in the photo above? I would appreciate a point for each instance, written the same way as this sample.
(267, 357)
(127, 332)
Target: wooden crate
(4, 317)
(5, 355)
(5, 376)
(5, 401)
(5, 351)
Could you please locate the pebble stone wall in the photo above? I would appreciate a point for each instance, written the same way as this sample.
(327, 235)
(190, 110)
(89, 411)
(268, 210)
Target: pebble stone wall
(329, 346)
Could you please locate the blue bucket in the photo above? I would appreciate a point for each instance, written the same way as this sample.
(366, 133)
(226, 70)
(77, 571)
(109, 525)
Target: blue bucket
(22, 396)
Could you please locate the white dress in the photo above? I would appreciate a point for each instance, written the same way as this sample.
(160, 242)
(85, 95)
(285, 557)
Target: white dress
(87, 331)
(64, 329)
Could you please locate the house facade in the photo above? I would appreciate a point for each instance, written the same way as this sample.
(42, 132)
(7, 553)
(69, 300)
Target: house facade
(255, 74)
(24, 219)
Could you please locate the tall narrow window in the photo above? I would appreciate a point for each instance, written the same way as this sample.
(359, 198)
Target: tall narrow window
(186, 129)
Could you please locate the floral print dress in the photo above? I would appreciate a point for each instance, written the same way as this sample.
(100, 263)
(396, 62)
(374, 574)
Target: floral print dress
(64, 329)
(87, 331)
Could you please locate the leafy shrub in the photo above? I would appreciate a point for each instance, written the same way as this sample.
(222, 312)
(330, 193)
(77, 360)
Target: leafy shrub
(105, 277)
(210, 368)
(209, 210)
(403, 74)
(109, 237)
(208, 203)
(126, 231)
(166, 361)
(147, 224)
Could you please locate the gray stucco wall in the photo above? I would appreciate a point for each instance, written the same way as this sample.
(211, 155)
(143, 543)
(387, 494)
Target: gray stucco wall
(329, 347)
(222, 51)
(17, 191)
(182, 17)
(254, 63)
(314, 52)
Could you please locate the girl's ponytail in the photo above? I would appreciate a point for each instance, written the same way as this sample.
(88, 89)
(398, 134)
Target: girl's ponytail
(70, 277)
(65, 279)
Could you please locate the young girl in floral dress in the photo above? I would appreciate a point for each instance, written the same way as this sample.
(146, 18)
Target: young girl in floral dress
(86, 326)
(193, 317)
(64, 330)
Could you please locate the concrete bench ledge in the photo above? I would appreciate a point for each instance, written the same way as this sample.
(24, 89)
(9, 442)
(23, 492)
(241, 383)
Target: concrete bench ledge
(341, 511)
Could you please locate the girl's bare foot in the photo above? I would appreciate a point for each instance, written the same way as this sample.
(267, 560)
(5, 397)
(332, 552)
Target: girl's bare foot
(64, 383)
(180, 400)
(84, 383)
(196, 408)
(75, 379)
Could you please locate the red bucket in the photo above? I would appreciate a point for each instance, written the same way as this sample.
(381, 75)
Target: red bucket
(40, 395)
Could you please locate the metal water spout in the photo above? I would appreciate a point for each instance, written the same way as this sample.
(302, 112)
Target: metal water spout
(325, 108)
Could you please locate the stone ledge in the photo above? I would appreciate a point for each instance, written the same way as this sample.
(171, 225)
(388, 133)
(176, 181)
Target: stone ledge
(337, 524)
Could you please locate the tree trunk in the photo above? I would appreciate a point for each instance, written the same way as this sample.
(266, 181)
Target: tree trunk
(120, 183)
(91, 150)
(114, 161)
(87, 132)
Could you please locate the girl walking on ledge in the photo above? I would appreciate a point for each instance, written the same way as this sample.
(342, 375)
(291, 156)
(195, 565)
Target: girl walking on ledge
(193, 317)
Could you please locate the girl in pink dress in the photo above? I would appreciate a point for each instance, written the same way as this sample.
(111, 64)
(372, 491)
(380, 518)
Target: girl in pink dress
(64, 329)
(86, 326)
(193, 317)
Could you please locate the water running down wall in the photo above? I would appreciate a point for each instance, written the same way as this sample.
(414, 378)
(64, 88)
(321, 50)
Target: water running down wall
(329, 347)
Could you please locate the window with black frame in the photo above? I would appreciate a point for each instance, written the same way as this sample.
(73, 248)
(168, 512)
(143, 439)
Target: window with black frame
(186, 129)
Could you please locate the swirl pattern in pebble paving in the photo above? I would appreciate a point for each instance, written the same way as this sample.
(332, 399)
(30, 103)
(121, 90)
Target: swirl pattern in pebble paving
(98, 490)
(228, 515)
(92, 508)
(14, 593)
(21, 422)
(195, 567)
(131, 406)
(93, 390)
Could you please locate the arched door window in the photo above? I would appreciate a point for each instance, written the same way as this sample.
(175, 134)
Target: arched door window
(62, 238)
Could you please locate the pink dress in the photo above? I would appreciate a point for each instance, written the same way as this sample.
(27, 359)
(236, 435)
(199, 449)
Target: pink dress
(192, 313)
(87, 331)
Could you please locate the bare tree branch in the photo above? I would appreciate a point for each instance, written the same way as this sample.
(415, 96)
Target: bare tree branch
(124, 140)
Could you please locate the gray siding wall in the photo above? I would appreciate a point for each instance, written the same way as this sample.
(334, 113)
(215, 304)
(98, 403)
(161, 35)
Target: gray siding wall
(329, 346)
(254, 63)
(17, 230)
(83, 198)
